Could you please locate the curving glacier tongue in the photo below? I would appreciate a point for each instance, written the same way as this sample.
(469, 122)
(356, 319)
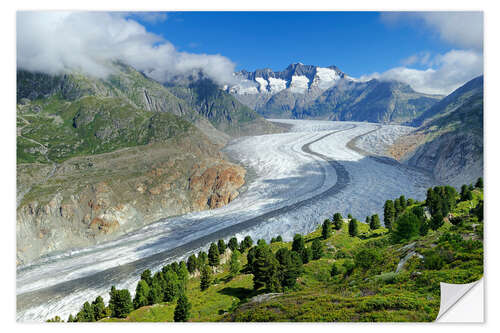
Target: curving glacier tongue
(291, 191)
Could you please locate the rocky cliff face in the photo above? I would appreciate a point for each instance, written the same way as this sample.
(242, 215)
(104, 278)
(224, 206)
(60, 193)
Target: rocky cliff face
(88, 199)
(97, 158)
(312, 92)
(449, 143)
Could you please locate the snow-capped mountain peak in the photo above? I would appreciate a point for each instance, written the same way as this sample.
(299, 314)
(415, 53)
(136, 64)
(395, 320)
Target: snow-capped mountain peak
(296, 78)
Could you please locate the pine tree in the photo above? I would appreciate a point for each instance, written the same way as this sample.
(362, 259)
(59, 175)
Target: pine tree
(213, 255)
(406, 227)
(246, 243)
(235, 263)
(279, 238)
(326, 231)
(479, 183)
(171, 285)
(202, 259)
(183, 274)
(181, 312)
(205, 278)
(317, 249)
(221, 246)
(374, 222)
(86, 314)
(397, 208)
(337, 221)
(99, 308)
(120, 303)
(436, 220)
(389, 214)
(298, 243)
(353, 227)
(141, 297)
(290, 267)
(146, 276)
(70, 318)
(265, 269)
(155, 290)
(191, 264)
(233, 244)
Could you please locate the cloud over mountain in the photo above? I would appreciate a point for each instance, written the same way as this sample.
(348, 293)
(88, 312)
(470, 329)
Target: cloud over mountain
(57, 42)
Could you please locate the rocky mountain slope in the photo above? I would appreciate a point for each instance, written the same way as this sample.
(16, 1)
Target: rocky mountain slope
(311, 92)
(97, 158)
(449, 141)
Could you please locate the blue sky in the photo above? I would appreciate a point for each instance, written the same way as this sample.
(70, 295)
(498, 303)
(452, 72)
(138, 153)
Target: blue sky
(357, 42)
(434, 52)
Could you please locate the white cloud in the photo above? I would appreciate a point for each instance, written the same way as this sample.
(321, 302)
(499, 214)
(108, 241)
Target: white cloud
(461, 29)
(448, 72)
(58, 42)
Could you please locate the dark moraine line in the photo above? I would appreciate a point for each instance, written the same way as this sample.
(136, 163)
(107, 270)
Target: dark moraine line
(114, 275)
(386, 159)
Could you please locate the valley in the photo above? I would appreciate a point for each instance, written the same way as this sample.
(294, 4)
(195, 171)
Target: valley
(298, 179)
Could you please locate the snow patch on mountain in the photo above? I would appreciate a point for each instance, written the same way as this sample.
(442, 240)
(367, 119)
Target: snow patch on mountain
(299, 84)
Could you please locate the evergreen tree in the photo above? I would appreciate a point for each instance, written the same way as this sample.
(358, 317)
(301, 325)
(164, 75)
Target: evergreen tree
(183, 273)
(298, 244)
(235, 263)
(436, 221)
(156, 289)
(202, 259)
(397, 208)
(233, 244)
(141, 297)
(307, 255)
(191, 264)
(337, 221)
(368, 220)
(353, 227)
(406, 227)
(181, 312)
(326, 230)
(205, 278)
(86, 314)
(99, 308)
(279, 238)
(317, 249)
(424, 228)
(246, 243)
(463, 192)
(146, 276)
(389, 214)
(374, 222)
(213, 255)
(409, 202)
(290, 267)
(171, 285)
(221, 246)
(265, 269)
(479, 183)
(250, 259)
(349, 217)
(402, 202)
(261, 242)
(120, 303)
(70, 318)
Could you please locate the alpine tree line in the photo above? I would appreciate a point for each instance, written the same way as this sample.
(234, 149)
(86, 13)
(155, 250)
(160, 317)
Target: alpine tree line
(278, 271)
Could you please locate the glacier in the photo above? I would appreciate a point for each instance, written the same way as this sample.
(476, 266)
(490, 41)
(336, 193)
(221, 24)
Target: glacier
(289, 192)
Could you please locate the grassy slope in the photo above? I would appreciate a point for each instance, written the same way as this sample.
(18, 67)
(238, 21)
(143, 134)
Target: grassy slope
(374, 294)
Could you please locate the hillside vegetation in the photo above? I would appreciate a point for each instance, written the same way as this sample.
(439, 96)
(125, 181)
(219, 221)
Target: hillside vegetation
(344, 271)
